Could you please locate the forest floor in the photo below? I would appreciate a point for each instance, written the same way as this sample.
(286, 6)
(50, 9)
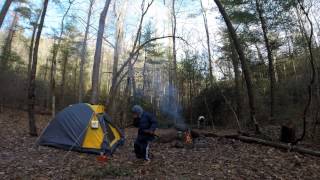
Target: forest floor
(220, 159)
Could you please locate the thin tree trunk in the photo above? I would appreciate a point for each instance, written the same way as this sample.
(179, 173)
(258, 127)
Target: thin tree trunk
(205, 21)
(174, 52)
(46, 99)
(118, 41)
(272, 77)
(75, 79)
(56, 48)
(237, 79)
(34, 31)
(173, 68)
(31, 48)
(32, 83)
(63, 78)
(4, 11)
(144, 73)
(97, 55)
(313, 72)
(244, 64)
(83, 55)
(134, 51)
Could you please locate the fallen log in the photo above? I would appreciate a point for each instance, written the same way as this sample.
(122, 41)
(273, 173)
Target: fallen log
(248, 139)
(276, 145)
(167, 135)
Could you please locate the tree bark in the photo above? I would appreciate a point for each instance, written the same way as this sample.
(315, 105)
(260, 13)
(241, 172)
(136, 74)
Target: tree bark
(244, 64)
(133, 53)
(313, 71)
(32, 82)
(237, 80)
(118, 42)
(205, 21)
(83, 55)
(97, 55)
(63, 78)
(272, 77)
(4, 10)
(56, 48)
(31, 46)
(174, 52)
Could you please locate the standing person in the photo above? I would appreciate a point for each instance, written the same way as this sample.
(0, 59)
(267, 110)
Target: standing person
(147, 124)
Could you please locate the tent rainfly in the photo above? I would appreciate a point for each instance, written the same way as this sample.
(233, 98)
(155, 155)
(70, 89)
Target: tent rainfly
(84, 128)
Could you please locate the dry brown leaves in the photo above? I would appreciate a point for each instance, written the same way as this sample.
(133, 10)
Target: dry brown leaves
(220, 159)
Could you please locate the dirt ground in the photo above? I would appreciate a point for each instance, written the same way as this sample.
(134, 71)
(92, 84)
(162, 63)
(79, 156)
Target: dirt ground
(220, 159)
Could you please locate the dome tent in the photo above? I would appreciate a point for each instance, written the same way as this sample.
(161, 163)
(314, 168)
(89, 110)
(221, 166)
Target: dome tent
(84, 128)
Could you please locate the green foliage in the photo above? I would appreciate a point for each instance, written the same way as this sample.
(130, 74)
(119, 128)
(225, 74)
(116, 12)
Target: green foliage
(152, 48)
(10, 60)
(24, 12)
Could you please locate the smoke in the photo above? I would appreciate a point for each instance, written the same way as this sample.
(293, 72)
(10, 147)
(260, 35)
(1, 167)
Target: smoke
(171, 108)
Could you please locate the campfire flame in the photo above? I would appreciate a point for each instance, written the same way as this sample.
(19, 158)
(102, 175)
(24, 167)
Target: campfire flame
(187, 137)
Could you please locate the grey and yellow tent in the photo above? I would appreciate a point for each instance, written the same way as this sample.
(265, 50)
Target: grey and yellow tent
(84, 128)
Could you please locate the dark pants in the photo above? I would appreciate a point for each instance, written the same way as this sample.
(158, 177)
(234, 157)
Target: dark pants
(141, 147)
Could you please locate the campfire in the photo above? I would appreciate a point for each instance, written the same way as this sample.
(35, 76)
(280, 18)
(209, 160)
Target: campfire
(188, 137)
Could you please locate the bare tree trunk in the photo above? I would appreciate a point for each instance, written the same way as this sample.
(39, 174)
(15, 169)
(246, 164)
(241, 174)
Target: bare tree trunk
(75, 79)
(46, 99)
(144, 73)
(63, 78)
(4, 11)
(32, 82)
(259, 53)
(120, 15)
(173, 67)
(244, 64)
(56, 48)
(272, 77)
(97, 55)
(205, 21)
(174, 52)
(31, 46)
(313, 70)
(237, 79)
(35, 25)
(134, 51)
(83, 55)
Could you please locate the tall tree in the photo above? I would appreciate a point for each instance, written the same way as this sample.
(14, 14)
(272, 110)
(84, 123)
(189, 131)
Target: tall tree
(32, 82)
(309, 39)
(120, 15)
(244, 64)
(133, 53)
(4, 10)
(55, 51)
(34, 25)
(97, 54)
(174, 51)
(260, 9)
(205, 21)
(83, 55)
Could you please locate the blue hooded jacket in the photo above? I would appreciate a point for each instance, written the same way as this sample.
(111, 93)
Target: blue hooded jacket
(147, 121)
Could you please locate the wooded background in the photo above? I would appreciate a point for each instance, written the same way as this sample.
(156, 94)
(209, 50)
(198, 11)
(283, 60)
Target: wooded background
(257, 65)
